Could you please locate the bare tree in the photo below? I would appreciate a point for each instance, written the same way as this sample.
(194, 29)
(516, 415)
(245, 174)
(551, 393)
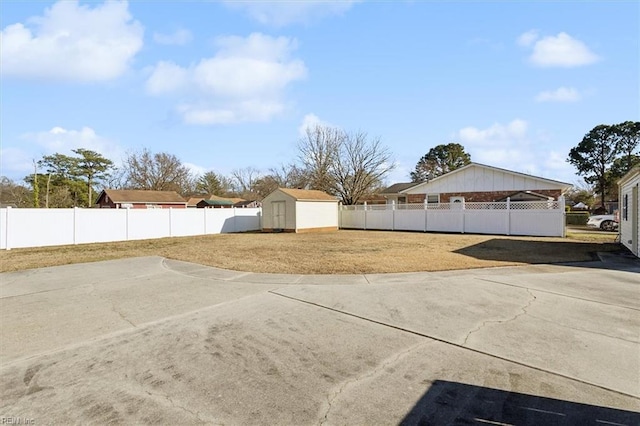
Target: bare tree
(317, 152)
(360, 167)
(14, 194)
(244, 179)
(350, 166)
(159, 172)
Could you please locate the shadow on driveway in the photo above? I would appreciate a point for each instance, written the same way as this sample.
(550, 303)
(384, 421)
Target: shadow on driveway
(458, 403)
(536, 252)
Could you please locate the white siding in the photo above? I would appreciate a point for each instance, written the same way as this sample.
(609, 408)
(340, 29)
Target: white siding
(483, 179)
(316, 214)
(627, 237)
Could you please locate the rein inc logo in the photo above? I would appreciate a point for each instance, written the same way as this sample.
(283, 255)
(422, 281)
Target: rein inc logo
(13, 420)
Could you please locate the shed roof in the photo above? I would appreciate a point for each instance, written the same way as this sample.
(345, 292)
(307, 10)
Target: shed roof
(142, 196)
(308, 194)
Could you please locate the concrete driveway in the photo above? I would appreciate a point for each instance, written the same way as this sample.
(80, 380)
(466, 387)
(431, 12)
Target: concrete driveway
(151, 340)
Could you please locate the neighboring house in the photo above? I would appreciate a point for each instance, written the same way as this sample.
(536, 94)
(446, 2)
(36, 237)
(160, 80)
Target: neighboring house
(245, 204)
(214, 204)
(140, 199)
(392, 194)
(193, 201)
(477, 183)
(299, 210)
(630, 210)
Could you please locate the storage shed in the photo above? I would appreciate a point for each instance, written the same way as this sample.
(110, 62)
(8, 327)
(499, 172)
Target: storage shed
(630, 210)
(299, 210)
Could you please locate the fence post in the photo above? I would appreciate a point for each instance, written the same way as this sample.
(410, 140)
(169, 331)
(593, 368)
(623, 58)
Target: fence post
(508, 215)
(365, 215)
(339, 214)
(393, 215)
(126, 224)
(170, 220)
(426, 213)
(6, 229)
(75, 224)
(563, 216)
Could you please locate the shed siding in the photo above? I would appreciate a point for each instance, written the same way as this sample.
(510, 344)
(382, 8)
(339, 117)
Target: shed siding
(311, 214)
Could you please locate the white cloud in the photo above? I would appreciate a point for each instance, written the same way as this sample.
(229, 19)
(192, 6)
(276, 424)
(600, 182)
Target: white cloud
(309, 122)
(230, 113)
(557, 51)
(195, 169)
(280, 13)
(178, 38)
(562, 94)
(499, 145)
(72, 42)
(511, 146)
(15, 160)
(62, 141)
(528, 38)
(496, 134)
(245, 81)
(167, 77)
(18, 160)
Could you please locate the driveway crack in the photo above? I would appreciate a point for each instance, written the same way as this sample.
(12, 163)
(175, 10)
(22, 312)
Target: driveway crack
(370, 373)
(523, 311)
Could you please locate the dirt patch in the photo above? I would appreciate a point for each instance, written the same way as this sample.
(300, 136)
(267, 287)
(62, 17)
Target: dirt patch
(341, 252)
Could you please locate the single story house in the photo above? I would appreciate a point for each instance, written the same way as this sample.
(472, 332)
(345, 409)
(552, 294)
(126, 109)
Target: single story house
(140, 199)
(477, 183)
(193, 201)
(214, 204)
(630, 210)
(299, 210)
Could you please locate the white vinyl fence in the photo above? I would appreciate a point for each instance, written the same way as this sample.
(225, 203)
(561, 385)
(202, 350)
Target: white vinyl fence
(534, 218)
(52, 227)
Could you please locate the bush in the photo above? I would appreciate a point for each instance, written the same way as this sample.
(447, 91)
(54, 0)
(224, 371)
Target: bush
(577, 218)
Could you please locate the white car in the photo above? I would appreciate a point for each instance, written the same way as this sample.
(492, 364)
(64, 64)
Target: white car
(605, 222)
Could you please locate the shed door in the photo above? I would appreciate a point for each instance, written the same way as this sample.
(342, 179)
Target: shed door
(278, 208)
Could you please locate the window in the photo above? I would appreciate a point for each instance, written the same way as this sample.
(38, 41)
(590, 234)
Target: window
(625, 207)
(402, 200)
(433, 198)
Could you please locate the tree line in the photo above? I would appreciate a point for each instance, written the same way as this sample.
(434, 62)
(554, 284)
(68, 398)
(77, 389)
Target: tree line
(350, 165)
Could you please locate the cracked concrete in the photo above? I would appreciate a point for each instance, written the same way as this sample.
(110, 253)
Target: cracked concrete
(484, 323)
(151, 340)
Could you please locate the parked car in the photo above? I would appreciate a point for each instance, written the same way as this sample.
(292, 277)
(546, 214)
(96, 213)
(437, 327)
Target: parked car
(605, 222)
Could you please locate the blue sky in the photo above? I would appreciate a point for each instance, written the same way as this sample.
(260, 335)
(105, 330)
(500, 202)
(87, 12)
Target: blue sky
(227, 85)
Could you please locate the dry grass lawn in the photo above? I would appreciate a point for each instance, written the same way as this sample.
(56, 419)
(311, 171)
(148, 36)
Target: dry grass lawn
(342, 252)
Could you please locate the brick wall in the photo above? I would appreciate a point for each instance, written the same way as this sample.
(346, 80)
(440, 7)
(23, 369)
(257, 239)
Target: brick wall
(479, 197)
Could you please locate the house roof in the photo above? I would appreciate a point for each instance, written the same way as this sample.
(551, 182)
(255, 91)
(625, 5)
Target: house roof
(195, 200)
(397, 187)
(307, 194)
(498, 169)
(635, 171)
(215, 202)
(142, 196)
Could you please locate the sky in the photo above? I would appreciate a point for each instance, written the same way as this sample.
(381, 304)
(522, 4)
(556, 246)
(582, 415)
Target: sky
(225, 85)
